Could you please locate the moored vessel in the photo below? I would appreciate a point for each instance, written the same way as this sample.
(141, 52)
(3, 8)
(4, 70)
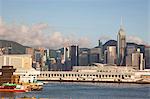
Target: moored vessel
(8, 87)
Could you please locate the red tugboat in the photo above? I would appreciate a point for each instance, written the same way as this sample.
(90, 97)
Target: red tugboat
(7, 87)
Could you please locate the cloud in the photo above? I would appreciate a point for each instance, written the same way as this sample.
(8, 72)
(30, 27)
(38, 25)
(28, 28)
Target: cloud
(84, 41)
(39, 35)
(136, 40)
(105, 38)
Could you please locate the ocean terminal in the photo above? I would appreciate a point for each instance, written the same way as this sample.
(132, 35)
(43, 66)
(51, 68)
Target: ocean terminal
(98, 73)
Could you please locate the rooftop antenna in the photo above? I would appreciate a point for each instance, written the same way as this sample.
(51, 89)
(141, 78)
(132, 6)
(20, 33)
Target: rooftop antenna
(121, 23)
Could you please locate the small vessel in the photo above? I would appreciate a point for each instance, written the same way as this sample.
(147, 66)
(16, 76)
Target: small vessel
(8, 87)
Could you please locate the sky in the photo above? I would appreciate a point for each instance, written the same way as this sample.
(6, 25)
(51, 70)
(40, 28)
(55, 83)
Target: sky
(77, 21)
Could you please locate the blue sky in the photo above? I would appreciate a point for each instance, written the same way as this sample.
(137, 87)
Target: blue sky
(84, 18)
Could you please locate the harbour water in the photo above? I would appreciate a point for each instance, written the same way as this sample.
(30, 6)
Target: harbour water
(76, 90)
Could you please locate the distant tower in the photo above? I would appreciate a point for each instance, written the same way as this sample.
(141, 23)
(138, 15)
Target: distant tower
(121, 46)
(66, 53)
(74, 54)
(111, 54)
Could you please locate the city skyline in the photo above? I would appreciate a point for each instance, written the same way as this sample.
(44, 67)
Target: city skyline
(83, 22)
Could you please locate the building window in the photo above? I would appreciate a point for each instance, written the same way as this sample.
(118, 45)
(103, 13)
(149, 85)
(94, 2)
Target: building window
(99, 76)
(96, 75)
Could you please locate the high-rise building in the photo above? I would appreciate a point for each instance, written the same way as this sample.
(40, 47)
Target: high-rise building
(70, 57)
(67, 58)
(147, 57)
(101, 55)
(66, 53)
(130, 49)
(137, 60)
(30, 51)
(111, 54)
(121, 46)
(95, 55)
(46, 60)
(105, 57)
(22, 61)
(84, 58)
(74, 55)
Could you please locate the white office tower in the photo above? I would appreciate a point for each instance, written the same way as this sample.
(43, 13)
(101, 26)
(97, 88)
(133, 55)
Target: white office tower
(66, 54)
(137, 60)
(121, 46)
(111, 54)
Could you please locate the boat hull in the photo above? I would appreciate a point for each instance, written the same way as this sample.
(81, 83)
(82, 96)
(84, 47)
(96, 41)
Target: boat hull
(12, 90)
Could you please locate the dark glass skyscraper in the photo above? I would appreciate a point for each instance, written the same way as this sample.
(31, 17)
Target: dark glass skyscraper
(74, 54)
(147, 57)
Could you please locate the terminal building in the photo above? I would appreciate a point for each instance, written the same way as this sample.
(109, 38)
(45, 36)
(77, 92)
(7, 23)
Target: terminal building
(95, 72)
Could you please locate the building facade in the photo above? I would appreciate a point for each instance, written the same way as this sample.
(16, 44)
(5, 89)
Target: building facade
(74, 55)
(147, 57)
(137, 60)
(23, 61)
(95, 55)
(111, 55)
(130, 50)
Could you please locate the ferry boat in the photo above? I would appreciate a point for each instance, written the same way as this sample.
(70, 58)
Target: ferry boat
(8, 87)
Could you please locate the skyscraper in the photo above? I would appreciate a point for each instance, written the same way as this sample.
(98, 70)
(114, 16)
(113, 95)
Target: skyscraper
(74, 54)
(66, 53)
(121, 46)
(129, 50)
(94, 55)
(111, 54)
(147, 57)
(137, 60)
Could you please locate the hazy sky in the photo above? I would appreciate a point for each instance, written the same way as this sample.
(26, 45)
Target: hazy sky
(93, 19)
